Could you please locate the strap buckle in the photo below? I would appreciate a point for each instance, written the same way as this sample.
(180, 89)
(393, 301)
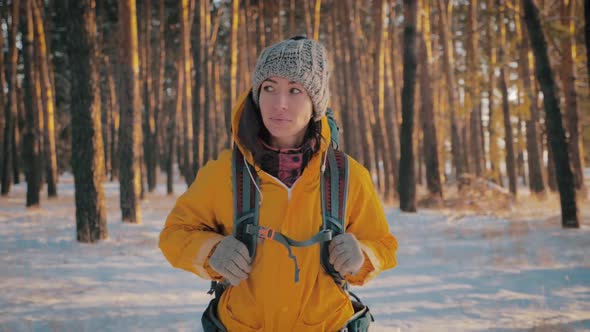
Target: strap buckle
(266, 233)
(327, 235)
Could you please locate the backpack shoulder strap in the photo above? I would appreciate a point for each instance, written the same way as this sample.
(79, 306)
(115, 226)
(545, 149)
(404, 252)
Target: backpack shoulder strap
(334, 129)
(334, 187)
(246, 200)
(246, 204)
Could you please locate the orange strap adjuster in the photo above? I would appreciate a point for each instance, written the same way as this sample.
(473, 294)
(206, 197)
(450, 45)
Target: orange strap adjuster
(266, 233)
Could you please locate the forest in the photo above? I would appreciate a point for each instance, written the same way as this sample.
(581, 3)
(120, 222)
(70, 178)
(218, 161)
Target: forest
(429, 95)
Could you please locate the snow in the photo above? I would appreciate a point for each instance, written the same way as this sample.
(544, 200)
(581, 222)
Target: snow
(456, 271)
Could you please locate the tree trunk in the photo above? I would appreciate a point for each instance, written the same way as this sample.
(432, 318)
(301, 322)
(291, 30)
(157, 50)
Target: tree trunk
(208, 110)
(358, 87)
(292, 29)
(520, 151)
(38, 100)
(149, 123)
(172, 129)
(87, 150)
(316, 19)
(407, 184)
(244, 69)
(494, 150)
(200, 85)
(202, 114)
(350, 133)
(307, 17)
(394, 59)
(159, 84)
(364, 64)
(130, 135)
(3, 103)
(106, 109)
(341, 96)
(48, 102)
(49, 27)
(381, 144)
(449, 68)
(439, 113)
(233, 57)
(466, 145)
(508, 136)
(259, 24)
(19, 128)
(474, 91)
(536, 183)
(394, 102)
(10, 145)
(190, 129)
(209, 125)
(278, 32)
(568, 81)
(551, 177)
(221, 132)
(392, 129)
(141, 48)
(220, 138)
(420, 158)
(31, 135)
(114, 121)
(555, 131)
(430, 143)
(587, 37)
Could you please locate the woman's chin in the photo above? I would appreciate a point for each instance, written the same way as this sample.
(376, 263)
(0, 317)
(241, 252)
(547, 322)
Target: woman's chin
(279, 129)
(280, 135)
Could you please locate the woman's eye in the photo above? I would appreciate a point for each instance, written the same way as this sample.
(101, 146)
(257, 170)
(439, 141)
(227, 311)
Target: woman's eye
(268, 88)
(295, 91)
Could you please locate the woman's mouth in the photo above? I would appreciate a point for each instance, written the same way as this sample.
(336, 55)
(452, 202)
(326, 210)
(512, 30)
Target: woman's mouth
(280, 119)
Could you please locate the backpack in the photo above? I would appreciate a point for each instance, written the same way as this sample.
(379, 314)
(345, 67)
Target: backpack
(334, 190)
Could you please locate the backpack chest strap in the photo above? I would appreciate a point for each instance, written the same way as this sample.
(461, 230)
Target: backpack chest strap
(270, 234)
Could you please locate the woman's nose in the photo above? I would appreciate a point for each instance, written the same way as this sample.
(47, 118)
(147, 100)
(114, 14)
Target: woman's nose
(281, 102)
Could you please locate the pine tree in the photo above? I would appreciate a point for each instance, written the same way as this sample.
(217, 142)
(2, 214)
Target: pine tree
(407, 184)
(130, 138)
(555, 130)
(87, 149)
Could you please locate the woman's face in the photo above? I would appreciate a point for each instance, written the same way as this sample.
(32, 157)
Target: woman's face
(286, 111)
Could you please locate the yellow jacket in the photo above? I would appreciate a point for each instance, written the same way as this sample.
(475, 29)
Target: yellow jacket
(270, 300)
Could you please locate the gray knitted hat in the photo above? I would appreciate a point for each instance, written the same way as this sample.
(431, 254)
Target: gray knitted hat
(300, 60)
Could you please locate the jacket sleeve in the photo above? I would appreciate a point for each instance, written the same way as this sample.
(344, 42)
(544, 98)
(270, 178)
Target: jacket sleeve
(368, 224)
(192, 230)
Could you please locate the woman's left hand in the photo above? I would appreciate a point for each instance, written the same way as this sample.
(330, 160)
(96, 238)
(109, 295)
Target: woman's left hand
(346, 254)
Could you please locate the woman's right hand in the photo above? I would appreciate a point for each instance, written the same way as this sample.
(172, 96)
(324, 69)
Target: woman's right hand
(231, 260)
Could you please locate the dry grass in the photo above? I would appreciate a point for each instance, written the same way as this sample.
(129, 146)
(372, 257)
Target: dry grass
(477, 196)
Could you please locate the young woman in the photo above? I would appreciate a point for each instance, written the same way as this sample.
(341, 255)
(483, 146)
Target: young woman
(280, 128)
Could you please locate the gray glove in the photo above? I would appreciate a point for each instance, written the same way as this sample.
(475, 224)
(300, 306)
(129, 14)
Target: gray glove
(231, 260)
(346, 254)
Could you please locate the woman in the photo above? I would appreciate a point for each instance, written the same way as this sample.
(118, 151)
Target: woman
(280, 127)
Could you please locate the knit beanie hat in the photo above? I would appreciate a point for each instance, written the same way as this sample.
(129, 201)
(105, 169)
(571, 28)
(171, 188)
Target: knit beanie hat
(300, 60)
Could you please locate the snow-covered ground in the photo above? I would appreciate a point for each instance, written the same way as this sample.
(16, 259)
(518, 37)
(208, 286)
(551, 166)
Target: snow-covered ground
(456, 272)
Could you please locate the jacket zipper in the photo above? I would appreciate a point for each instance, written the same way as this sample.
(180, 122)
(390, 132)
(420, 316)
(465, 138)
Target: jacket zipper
(289, 190)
